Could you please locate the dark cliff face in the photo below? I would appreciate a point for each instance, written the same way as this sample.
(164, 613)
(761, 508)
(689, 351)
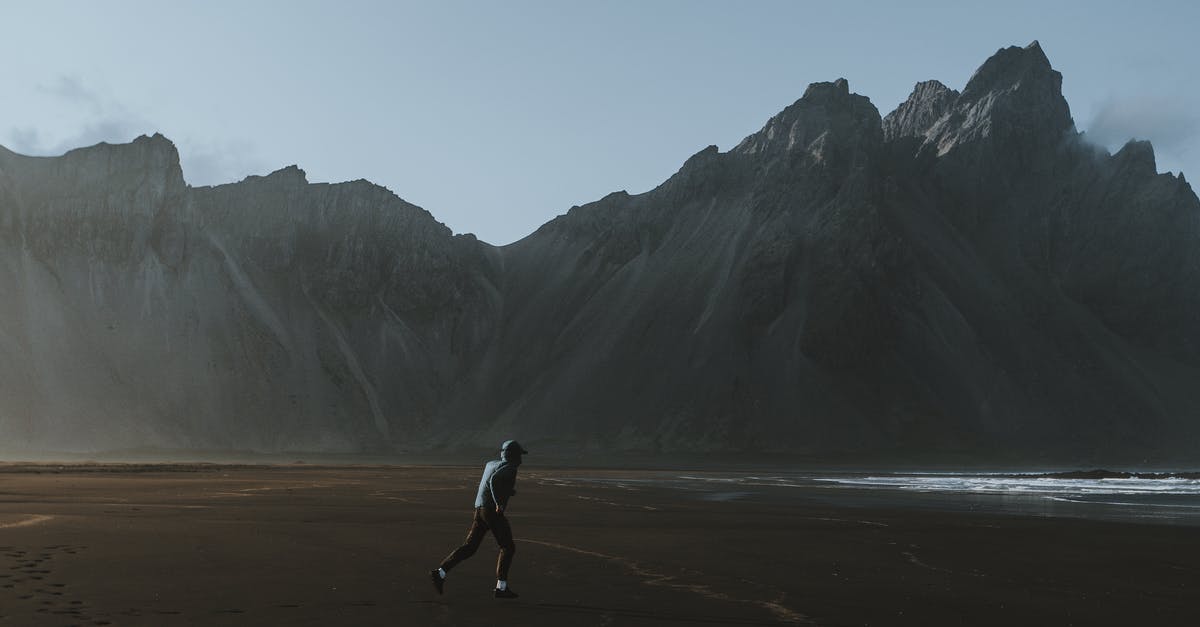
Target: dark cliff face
(270, 314)
(961, 279)
(1071, 297)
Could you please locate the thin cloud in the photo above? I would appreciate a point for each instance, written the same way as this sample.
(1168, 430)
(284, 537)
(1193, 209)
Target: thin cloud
(30, 141)
(71, 89)
(112, 129)
(1169, 124)
(25, 140)
(97, 118)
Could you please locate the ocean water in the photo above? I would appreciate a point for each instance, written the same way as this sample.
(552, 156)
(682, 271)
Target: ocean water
(1168, 500)
(1174, 500)
(1008, 483)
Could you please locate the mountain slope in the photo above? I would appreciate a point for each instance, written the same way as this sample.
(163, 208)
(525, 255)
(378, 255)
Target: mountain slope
(963, 278)
(270, 314)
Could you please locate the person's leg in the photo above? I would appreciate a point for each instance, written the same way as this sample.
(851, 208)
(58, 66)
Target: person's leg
(503, 534)
(479, 528)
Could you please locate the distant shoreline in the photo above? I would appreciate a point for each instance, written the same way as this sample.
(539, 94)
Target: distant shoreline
(1112, 474)
(199, 461)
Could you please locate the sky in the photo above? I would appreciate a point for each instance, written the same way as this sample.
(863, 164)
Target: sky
(497, 116)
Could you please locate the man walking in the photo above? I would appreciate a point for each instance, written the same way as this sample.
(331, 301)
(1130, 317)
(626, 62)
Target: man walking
(497, 485)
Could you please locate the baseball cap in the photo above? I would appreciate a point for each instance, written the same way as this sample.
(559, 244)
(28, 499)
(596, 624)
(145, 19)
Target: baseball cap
(514, 446)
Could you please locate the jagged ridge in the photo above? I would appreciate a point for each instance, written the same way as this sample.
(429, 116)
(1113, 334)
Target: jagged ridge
(963, 278)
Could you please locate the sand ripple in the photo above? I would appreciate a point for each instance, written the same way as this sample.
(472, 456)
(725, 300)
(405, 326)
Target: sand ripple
(653, 578)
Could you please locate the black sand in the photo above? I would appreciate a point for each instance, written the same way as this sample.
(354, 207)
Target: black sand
(296, 545)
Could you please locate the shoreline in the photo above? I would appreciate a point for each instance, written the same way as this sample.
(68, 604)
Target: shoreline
(603, 461)
(1107, 497)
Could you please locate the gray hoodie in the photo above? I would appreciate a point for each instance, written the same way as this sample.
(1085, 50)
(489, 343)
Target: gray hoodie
(498, 483)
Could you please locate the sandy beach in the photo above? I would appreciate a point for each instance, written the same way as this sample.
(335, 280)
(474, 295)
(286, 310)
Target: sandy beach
(303, 545)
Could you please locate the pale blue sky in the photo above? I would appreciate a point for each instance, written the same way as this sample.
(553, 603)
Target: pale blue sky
(497, 116)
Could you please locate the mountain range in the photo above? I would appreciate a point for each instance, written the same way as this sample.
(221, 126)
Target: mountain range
(966, 277)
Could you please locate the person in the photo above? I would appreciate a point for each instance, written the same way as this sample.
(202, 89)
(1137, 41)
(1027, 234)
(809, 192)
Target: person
(491, 500)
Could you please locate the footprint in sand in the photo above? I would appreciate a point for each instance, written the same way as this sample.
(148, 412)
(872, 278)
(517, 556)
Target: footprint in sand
(50, 598)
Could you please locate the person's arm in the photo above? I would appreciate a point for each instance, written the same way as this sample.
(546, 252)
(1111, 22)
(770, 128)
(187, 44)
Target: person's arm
(501, 484)
(492, 489)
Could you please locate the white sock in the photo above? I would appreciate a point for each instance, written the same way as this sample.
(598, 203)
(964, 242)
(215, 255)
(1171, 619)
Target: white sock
(501, 584)
(441, 573)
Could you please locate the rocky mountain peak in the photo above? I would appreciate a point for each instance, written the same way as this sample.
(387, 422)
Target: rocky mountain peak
(1139, 156)
(827, 114)
(929, 101)
(149, 151)
(1011, 68)
(157, 140)
(290, 176)
(835, 91)
(1015, 98)
(148, 162)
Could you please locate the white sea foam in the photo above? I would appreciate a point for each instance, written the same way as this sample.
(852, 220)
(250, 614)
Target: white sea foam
(1067, 499)
(1166, 500)
(992, 484)
(975, 483)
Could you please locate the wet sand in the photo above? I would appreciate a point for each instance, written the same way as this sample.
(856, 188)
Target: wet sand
(297, 545)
